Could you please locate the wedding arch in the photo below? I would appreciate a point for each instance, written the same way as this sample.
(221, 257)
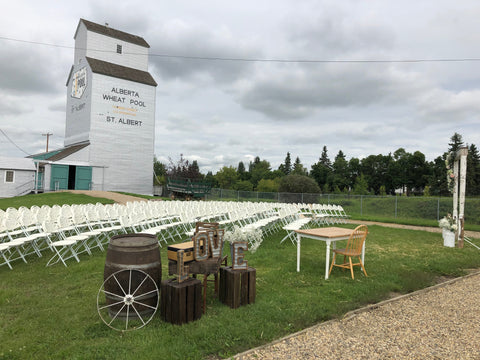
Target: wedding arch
(459, 184)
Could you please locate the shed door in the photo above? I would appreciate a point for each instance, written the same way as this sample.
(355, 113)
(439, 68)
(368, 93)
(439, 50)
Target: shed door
(59, 177)
(83, 178)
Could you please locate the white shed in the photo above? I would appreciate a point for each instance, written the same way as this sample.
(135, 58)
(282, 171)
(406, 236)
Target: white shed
(17, 176)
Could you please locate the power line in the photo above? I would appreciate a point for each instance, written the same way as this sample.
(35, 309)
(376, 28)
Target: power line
(18, 147)
(220, 58)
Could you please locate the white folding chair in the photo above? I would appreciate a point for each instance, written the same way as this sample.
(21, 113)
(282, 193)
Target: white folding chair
(64, 240)
(297, 224)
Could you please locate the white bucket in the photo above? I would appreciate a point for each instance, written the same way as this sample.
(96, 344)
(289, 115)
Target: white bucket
(448, 238)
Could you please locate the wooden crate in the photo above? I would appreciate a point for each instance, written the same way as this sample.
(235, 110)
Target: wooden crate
(237, 287)
(181, 303)
(187, 247)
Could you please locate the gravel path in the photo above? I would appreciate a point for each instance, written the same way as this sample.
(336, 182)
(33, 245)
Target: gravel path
(441, 322)
(471, 234)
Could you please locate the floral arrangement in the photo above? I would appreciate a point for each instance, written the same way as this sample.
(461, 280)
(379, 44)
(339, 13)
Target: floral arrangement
(448, 223)
(253, 237)
(450, 173)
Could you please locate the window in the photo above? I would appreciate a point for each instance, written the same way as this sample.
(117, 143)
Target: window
(9, 176)
(119, 49)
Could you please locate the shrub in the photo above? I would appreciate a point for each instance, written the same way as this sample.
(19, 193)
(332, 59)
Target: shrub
(298, 184)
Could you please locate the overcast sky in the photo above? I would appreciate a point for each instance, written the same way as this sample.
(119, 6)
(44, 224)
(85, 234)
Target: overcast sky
(344, 94)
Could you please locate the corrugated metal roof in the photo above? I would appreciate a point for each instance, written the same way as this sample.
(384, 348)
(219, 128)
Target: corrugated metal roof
(16, 163)
(116, 34)
(60, 154)
(121, 72)
(63, 153)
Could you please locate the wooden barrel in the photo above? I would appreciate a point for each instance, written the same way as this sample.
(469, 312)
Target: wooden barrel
(132, 252)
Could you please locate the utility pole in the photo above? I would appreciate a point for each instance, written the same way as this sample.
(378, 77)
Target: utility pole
(48, 136)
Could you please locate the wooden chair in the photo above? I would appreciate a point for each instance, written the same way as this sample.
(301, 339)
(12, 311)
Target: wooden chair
(353, 249)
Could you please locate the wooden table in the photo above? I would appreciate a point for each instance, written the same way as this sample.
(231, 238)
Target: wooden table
(328, 234)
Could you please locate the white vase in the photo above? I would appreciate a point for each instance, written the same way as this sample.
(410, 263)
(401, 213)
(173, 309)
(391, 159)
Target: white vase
(448, 238)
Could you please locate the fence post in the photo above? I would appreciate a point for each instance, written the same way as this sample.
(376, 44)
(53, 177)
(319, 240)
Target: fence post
(438, 209)
(361, 204)
(396, 204)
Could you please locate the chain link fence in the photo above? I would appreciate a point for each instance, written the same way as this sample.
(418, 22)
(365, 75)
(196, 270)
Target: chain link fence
(393, 207)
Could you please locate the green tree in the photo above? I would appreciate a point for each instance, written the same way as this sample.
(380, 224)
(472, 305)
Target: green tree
(354, 171)
(426, 191)
(227, 177)
(268, 185)
(286, 167)
(322, 169)
(298, 168)
(298, 184)
(242, 173)
(211, 179)
(382, 191)
(243, 185)
(361, 186)
(260, 169)
(438, 177)
(159, 172)
(377, 172)
(473, 171)
(456, 142)
(340, 172)
(183, 169)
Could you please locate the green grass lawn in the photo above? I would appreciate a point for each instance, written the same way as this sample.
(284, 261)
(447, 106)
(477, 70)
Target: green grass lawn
(50, 313)
(50, 199)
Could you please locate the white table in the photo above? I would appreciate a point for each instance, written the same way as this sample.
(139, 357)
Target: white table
(328, 234)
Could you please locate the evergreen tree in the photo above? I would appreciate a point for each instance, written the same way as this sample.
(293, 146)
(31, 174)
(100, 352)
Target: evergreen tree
(298, 168)
(183, 169)
(286, 167)
(456, 143)
(340, 172)
(322, 169)
(473, 171)
(324, 160)
(242, 173)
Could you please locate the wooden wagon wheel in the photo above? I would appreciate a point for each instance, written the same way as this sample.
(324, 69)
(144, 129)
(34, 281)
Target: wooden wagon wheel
(127, 300)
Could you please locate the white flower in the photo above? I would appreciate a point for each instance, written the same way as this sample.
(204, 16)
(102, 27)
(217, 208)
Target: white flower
(448, 223)
(253, 237)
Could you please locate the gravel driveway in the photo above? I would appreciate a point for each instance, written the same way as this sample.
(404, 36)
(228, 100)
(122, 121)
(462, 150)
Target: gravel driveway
(441, 322)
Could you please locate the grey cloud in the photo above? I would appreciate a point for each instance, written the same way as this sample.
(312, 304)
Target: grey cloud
(334, 32)
(299, 93)
(27, 70)
(178, 38)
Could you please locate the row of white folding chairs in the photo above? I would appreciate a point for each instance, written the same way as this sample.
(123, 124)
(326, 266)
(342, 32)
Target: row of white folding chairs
(62, 229)
(330, 213)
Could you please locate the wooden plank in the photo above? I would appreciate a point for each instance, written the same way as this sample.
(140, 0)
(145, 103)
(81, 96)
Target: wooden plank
(252, 287)
(181, 302)
(237, 287)
(198, 301)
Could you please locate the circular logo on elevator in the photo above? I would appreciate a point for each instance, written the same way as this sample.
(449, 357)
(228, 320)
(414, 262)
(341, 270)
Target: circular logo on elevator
(79, 82)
